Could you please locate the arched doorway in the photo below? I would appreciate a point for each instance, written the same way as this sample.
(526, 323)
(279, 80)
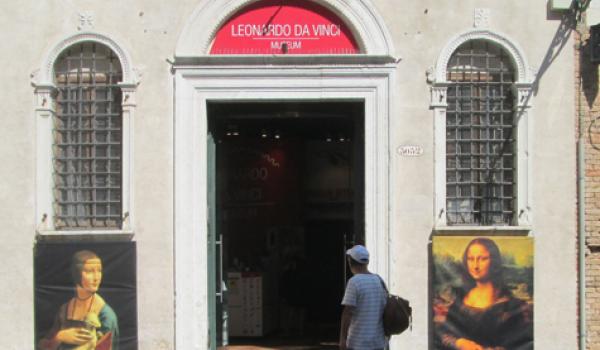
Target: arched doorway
(215, 94)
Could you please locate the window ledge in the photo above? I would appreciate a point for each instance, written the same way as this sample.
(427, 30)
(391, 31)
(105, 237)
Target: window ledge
(85, 235)
(483, 230)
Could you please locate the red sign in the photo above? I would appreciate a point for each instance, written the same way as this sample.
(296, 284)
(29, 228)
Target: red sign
(284, 27)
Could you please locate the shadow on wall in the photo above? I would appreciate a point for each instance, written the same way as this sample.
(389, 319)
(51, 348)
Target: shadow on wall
(589, 74)
(589, 85)
(568, 22)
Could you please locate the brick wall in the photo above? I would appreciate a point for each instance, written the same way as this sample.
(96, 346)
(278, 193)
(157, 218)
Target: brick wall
(588, 103)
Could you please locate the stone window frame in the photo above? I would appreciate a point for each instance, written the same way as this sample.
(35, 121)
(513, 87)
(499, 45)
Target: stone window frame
(45, 109)
(523, 90)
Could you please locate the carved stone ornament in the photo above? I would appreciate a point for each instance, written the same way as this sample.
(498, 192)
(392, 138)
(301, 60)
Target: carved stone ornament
(438, 96)
(86, 20)
(523, 93)
(430, 74)
(128, 94)
(481, 18)
(44, 98)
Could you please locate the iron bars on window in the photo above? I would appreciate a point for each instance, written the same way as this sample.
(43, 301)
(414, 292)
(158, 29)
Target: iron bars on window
(480, 136)
(87, 139)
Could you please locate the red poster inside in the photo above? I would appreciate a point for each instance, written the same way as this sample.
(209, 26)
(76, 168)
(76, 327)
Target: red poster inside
(297, 27)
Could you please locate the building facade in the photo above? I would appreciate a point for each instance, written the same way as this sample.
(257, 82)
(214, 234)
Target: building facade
(587, 105)
(216, 158)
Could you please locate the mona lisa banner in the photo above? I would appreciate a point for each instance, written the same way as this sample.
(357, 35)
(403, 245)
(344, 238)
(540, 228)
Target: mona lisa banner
(85, 296)
(482, 293)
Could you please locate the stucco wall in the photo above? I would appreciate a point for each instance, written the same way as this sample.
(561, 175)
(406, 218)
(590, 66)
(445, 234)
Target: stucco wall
(149, 31)
(420, 30)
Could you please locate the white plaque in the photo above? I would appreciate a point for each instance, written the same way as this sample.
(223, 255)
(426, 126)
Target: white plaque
(410, 151)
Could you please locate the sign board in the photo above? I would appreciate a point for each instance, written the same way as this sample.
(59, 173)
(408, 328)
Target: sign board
(291, 27)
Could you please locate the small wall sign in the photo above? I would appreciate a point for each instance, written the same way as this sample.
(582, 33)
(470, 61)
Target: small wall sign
(410, 151)
(290, 27)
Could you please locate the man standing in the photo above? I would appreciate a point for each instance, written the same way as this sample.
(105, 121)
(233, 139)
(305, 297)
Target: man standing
(364, 301)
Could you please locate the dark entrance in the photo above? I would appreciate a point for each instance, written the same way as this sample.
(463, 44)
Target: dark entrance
(289, 199)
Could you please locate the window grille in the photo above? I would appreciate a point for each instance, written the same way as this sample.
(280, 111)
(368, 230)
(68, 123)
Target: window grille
(87, 138)
(480, 136)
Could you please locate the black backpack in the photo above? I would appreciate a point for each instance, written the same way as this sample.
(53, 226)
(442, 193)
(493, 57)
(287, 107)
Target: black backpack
(397, 314)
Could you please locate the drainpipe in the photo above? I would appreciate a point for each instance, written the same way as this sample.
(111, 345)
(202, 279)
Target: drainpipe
(581, 223)
(581, 187)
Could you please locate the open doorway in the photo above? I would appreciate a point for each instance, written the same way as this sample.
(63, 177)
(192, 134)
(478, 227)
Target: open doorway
(289, 179)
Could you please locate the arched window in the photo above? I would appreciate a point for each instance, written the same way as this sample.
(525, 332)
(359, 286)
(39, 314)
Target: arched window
(87, 138)
(481, 136)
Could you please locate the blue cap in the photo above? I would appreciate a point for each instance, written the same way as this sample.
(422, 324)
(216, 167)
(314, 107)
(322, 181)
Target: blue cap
(359, 254)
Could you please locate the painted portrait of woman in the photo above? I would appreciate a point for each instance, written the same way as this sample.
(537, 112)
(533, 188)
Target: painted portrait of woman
(86, 321)
(482, 313)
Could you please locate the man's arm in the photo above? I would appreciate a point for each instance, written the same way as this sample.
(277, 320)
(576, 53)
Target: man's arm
(346, 318)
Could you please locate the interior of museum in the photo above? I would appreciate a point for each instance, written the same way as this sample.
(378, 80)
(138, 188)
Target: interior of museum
(290, 200)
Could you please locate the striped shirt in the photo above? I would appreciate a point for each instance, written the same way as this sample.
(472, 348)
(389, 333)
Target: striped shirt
(366, 294)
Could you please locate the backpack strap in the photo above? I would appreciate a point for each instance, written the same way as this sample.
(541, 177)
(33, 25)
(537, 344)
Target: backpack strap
(383, 285)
